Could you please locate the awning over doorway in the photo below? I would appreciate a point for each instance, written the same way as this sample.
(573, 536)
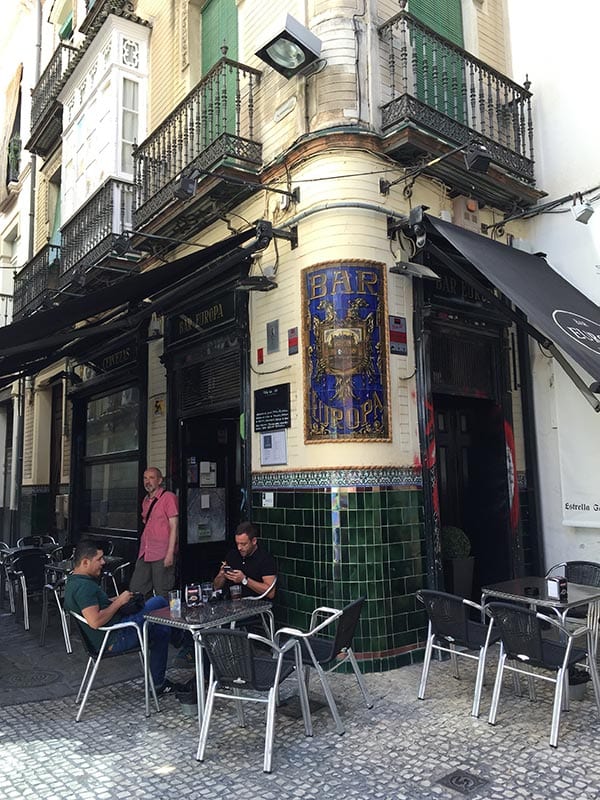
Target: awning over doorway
(554, 307)
(30, 344)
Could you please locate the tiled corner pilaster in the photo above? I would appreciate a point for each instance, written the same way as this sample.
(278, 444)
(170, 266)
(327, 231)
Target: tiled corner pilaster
(336, 543)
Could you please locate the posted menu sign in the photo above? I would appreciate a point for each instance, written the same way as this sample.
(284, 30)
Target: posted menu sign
(272, 408)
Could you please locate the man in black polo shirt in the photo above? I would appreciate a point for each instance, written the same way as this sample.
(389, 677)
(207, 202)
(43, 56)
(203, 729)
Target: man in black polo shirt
(251, 566)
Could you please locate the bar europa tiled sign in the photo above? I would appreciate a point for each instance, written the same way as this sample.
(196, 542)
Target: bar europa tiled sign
(345, 354)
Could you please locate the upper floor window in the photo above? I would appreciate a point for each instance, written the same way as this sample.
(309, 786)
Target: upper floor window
(129, 123)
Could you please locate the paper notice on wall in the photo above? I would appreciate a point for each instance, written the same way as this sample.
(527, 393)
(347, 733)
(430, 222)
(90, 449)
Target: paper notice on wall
(579, 455)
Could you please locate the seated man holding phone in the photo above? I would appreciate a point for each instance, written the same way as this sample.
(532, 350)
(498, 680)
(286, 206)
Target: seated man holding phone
(248, 564)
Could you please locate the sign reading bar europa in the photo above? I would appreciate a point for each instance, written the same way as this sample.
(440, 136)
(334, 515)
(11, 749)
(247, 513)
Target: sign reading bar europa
(345, 354)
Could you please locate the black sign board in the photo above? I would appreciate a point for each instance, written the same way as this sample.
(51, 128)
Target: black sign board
(272, 408)
(203, 319)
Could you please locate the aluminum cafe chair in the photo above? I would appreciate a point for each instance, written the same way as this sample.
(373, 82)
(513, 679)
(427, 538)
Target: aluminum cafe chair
(55, 588)
(96, 656)
(586, 573)
(450, 626)
(525, 649)
(239, 673)
(321, 653)
(25, 570)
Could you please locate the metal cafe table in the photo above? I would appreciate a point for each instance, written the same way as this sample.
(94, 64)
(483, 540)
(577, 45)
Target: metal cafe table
(208, 615)
(534, 593)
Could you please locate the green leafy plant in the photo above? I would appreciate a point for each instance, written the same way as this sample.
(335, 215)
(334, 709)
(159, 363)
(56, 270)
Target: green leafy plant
(455, 542)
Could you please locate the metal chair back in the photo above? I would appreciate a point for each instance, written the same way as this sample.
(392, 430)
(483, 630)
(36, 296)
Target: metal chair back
(36, 540)
(520, 632)
(448, 615)
(230, 655)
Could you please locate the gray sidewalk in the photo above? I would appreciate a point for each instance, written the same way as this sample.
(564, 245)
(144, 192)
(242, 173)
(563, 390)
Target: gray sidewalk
(401, 749)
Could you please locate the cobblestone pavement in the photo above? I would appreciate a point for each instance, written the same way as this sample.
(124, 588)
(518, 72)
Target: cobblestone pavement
(399, 750)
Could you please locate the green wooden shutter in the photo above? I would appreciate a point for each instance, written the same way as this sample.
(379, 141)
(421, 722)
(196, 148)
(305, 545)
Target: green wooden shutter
(219, 22)
(445, 18)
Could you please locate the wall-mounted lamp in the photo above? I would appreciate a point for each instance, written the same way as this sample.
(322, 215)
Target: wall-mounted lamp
(185, 187)
(410, 269)
(155, 328)
(255, 283)
(477, 159)
(292, 49)
(582, 211)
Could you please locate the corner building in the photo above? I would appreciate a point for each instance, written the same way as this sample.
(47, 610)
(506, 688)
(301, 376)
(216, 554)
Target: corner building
(247, 251)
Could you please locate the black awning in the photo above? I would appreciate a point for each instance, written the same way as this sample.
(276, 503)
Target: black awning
(553, 306)
(32, 343)
(129, 289)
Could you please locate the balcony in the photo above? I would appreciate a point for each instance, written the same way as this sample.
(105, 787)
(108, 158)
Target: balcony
(213, 127)
(88, 238)
(36, 282)
(438, 96)
(46, 111)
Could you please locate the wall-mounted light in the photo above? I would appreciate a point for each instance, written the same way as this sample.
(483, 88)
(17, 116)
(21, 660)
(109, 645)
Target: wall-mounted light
(582, 210)
(292, 49)
(255, 283)
(413, 270)
(477, 159)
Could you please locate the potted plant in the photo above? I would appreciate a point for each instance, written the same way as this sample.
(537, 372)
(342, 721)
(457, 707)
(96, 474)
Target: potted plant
(457, 561)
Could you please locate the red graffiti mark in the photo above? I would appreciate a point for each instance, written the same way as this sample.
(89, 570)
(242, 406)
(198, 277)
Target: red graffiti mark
(511, 472)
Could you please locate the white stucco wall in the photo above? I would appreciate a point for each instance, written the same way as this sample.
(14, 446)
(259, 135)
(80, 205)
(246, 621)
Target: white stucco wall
(557, 46)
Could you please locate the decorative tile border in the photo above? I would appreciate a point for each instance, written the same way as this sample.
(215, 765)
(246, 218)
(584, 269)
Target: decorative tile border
(324, 479)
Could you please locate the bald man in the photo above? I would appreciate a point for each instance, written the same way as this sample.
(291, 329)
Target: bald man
(155, 565)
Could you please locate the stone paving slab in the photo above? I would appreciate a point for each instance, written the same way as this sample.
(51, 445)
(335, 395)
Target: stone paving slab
(398, 750)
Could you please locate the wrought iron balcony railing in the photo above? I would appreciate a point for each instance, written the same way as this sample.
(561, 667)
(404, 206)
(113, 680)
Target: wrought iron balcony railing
(6, 309)
(89, 235)
(48, 87)
(35, 280)
(215, 122)
(437, 85)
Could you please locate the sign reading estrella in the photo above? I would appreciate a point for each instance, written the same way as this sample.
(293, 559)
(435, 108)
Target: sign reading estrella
(345, 352)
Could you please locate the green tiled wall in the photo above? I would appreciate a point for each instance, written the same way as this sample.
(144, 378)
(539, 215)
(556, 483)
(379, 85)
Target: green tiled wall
(335, 545)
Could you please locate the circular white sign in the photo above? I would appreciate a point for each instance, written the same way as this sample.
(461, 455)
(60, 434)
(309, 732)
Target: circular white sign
(582, 330)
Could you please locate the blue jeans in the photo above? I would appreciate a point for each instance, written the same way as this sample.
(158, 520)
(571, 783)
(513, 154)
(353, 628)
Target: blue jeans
(159, 637)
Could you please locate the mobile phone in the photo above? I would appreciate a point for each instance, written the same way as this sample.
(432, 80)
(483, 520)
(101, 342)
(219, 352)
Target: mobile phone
(227, 568)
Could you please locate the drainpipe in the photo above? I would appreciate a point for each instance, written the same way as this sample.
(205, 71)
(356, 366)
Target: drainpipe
(19, 428)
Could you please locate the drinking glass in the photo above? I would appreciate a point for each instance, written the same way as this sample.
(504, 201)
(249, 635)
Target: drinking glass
(207, 590)
(175, 602)
(235, 591)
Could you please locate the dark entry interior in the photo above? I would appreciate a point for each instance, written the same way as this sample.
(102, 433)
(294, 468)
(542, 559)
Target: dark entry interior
(211, 481)
(472, 480)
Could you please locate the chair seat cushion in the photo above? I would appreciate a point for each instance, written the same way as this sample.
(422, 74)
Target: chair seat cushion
(553, 656)
(322, 648)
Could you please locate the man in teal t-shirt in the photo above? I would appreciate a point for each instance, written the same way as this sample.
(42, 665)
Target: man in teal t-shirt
(85, 596)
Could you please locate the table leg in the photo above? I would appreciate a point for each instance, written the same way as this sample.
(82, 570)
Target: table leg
(592, 643)
(145, 640)
(199, 661)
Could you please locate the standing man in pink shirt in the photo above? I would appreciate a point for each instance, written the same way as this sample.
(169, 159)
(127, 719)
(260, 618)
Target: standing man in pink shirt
(155, 565)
